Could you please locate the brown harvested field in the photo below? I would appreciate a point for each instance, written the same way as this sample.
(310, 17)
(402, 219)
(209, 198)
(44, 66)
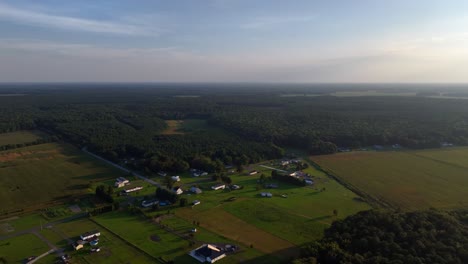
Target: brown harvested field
(221, 222)
(407, 179)
(173, 127)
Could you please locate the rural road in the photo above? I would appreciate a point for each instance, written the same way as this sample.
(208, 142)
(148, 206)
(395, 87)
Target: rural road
(271, 168)
(121, 167)
(41, 256)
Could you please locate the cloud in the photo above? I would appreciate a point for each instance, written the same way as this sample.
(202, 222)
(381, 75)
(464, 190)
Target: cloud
(36, 18)
(268, 21)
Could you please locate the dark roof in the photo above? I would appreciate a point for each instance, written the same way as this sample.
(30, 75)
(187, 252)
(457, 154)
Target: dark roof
(207, 252)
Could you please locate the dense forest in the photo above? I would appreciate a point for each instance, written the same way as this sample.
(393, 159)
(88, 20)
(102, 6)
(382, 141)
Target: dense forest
(390, 237)
(247, 123)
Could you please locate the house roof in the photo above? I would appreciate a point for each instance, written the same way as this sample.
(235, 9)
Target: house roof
(209, 251)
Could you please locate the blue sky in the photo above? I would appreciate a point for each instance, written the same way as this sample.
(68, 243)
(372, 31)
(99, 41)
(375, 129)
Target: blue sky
(234, 41)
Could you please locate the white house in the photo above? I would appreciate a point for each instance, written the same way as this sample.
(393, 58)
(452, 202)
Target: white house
(218, 187)
(207, 253)
(195, 190)
(121, 182)
(133, 189)
(90, 235)
(177, 190)
(175, 178)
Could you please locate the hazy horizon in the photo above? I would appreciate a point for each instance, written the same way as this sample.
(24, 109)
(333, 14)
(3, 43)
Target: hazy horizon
(229, 41)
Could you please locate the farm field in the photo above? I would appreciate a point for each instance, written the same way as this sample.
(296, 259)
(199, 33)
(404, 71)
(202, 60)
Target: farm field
(410, 180)
(203, 235)
(58, 171)
(113, 249)
(145, 235)
(270, 224)
(19, 137)
(17, 249)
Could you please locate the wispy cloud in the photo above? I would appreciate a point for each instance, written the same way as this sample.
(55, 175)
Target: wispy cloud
(40, 18)
(268, 21)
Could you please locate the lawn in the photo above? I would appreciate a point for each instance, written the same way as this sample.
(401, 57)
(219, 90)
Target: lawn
(203, 236)
(113, 249)
(37, 176)
(17, 249)
(406, 179)
(138, 231)
(19, 137)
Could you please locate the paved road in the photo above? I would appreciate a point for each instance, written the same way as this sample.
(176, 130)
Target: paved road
(41, 256)
(121, 167)
(271, 168)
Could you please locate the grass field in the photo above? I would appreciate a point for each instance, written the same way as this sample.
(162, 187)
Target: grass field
(407, 179)
(113, 249)
(19, 137)
(36, 176)
(17, 249)
(138, 231)
(275, 225)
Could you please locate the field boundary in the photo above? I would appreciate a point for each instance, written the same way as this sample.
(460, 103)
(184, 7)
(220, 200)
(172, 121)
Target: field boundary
(128, 242)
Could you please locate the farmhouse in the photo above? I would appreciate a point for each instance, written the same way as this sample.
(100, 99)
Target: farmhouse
(195, 190)
(121, 182)
(177, 190)
(266, 194)
(90, 235)
(298, 174)
(133, 189)
(253, 172)
(77, 246)
(207, 253)
(218, 187)
(175, 178)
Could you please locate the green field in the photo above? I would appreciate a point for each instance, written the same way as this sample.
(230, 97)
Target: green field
(408, 180)
(113, 249)
(276, 225)
(137, 231)
(19, 137)
(17, 249)
(37, 176)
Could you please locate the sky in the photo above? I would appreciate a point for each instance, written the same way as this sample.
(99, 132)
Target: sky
(234, 41)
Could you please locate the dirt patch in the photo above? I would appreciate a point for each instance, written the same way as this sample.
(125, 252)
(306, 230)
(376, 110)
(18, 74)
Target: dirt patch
(155, 238)
(173, 127)
(27, 155)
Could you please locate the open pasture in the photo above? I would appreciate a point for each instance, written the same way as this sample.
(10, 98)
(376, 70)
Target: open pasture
(17, 249)
(142, 233)
(38, 176)
(409, 180)
(113, 249)
(19, 137)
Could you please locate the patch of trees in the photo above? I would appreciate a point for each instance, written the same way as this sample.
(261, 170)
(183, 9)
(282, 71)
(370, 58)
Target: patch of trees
(104, 193)
(166, 195)
(286, 178)
(393, 237)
